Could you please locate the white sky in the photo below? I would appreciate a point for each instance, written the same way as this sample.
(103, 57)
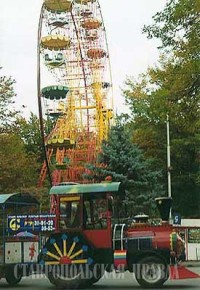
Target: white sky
(130, 51)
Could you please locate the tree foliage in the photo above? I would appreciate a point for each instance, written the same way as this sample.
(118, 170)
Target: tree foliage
(20, 150)
(125, 162)
(178, 27)
(18, 169)
(29, 131)
(7, 110)
(172, 87)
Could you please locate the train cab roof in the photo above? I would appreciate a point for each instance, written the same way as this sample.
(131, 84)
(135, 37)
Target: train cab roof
(111, 187)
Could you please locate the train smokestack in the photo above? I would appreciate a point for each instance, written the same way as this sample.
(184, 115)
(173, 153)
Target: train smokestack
(164, 205)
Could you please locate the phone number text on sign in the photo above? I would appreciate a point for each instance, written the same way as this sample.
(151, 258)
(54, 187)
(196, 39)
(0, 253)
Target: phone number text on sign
(35, 223)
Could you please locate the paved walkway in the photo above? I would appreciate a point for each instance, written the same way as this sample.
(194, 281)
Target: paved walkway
(193, 266)
(191, 263)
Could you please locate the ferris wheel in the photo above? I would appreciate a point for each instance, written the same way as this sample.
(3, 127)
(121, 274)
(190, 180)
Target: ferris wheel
(74, 87)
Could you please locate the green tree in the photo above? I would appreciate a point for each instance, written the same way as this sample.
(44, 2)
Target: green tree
(18, 169)
(7, 111)
(29, 131)
(125, 162)
(21, 147)
(178, 27)
(172, 87)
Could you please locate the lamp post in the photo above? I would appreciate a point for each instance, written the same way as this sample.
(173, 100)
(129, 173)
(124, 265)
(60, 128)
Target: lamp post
(169, 166)
(168, 159)
(164, 203)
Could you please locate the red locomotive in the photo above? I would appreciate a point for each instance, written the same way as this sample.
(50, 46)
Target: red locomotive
(87, 241)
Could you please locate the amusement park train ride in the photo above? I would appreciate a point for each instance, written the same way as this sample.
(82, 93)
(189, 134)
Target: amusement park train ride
(83, 235)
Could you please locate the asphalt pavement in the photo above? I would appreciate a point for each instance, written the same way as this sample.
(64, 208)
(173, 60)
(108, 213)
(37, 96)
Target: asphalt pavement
(110, 281)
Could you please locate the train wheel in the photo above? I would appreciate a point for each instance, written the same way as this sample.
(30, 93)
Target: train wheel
(66, 276)
(68, 261)
(152, 272)
(72, 277)
(13, 276)
(96, 274)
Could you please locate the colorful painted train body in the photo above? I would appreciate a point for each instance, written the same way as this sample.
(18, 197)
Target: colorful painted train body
(88, 241)
(82, 237)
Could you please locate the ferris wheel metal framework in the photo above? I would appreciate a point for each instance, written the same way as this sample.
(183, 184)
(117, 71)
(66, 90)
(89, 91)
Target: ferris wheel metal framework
(73, 46)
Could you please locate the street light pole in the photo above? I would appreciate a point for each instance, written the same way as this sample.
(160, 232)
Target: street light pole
(168, 159)
(169, 165)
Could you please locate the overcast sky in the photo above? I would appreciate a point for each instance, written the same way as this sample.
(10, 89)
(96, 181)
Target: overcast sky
(130, 51)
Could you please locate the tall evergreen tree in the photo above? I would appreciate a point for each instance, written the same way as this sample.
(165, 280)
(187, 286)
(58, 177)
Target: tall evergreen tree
(124, 161)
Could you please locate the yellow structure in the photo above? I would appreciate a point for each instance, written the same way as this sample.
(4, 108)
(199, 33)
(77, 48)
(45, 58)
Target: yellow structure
(73, 51)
